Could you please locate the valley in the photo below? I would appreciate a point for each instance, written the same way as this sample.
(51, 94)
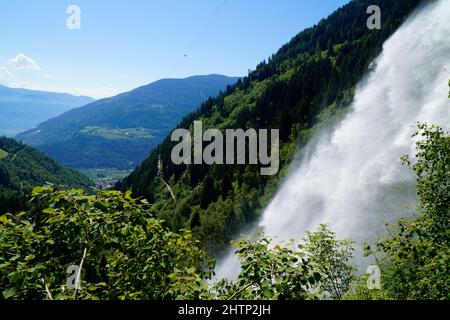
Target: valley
(105, 178)
(322, 173)
(119, 132)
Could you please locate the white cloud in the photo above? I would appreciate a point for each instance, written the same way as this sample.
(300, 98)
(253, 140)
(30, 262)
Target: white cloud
(96, 93)
(21, 61)
(14, 77)
(5, 75)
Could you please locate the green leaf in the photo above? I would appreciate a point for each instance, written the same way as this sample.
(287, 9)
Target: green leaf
(191, 270)
(8, 293)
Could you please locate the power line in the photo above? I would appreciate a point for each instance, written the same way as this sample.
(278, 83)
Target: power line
(197, 37)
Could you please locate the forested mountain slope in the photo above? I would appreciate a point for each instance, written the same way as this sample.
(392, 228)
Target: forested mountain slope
(118, 132)
(310, 81)
(23, 167)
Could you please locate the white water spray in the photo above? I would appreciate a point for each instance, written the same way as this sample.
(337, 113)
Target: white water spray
(353, 178)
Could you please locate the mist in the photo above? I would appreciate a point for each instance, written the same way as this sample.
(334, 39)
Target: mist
(353, 178)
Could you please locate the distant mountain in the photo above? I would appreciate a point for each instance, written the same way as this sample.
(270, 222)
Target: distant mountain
(23, 167)
(119, 132)
(23, 109)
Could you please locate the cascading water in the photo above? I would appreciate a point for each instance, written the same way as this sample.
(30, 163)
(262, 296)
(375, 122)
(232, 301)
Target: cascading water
(353, 178)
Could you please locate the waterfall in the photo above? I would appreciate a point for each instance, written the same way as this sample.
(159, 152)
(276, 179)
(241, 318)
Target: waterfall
(353, 178)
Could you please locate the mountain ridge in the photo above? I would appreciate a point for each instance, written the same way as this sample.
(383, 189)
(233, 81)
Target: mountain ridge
(22, 109)
(23, 167)
(119, 131)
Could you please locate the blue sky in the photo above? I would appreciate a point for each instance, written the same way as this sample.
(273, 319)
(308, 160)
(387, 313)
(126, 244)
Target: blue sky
(125, 44)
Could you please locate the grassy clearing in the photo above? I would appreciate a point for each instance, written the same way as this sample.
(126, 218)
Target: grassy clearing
(105, 173)
(114, 134)
(3, 154)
